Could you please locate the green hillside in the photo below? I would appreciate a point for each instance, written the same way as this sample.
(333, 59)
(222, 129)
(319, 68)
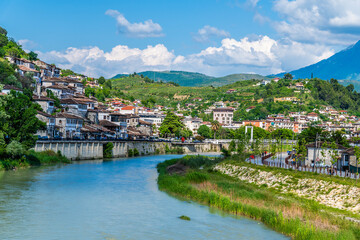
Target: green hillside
(232, 78)
(247, 93)
(193, 79)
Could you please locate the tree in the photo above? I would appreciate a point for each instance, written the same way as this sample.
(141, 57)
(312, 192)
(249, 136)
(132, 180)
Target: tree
(232, 146)
(15, 149)
(108, 84)
(101, 80)
(288, 76)
(22, 122)
(3, 31)
(171, 125)
(324, 148)
(333, 154)
(204, 131)
(32, 56)
(357, 155)
(301, 149)
(282, 133)
(215, 126)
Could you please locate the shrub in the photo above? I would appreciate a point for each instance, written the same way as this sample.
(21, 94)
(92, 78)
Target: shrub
(15, 149)
(136, 152)
(130, 153)
(107, 150)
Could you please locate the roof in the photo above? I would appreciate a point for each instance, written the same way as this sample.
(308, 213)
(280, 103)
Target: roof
(144, 123)
(67, 115)
(10, 87)
(95, 128)
(223, 110)
(60, 87)
(75, 101)
(42, 98)
(106, 123)
(350, 151)
(312, 114)
(320, 144)
(45, 114)
(26, 69)
(128, 108)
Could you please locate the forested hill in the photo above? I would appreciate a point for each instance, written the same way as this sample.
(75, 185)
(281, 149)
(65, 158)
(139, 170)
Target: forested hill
(193, 79)
(344, 65)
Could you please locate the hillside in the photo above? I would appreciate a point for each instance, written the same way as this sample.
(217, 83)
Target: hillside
(344, 65)
(193, 79)
(182, 78)
(232, 78)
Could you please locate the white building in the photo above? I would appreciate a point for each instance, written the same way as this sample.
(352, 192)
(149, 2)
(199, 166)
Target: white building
(223, 115)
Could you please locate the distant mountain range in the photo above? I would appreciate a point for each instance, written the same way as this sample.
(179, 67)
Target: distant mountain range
(344, 65)
(193, 79)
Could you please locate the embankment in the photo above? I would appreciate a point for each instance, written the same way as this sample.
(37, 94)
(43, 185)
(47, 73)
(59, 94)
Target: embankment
(295, 216)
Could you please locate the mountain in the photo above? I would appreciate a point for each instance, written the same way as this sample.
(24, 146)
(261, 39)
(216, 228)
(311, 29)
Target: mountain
(193, 79)
(344, 65)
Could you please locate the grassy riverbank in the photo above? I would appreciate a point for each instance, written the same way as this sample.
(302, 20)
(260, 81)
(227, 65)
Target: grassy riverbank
(32, 158)
(194, 177)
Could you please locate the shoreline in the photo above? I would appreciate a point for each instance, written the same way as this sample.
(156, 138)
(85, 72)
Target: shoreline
(292, 216)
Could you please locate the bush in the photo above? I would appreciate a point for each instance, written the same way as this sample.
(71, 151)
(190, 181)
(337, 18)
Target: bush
(15, 149)
(107, 150)
(130, 153)
(136, 152)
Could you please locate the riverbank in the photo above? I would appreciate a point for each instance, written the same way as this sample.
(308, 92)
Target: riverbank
(201, 179)
(32, 158)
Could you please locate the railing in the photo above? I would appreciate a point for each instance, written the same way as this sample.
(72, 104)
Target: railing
(319, 170)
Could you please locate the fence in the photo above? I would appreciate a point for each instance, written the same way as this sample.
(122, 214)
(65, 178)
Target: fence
(320, 170)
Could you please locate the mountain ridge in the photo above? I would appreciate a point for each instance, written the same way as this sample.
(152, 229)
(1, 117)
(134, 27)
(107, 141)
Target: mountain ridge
(195, 79)
(343, 65)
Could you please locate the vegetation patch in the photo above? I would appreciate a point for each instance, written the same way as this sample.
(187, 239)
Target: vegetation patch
(186, 218)
(288, 213)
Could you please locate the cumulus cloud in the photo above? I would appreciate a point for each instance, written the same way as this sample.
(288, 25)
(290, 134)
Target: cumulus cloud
(322, 21)
(204, 34)
(27, 44)
(141, 30)
(262, 55)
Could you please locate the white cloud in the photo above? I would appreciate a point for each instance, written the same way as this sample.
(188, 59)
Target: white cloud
(27, 44)
(263, 55)
(322, 21)
(252, 3)
(204, 34)
(141, 30)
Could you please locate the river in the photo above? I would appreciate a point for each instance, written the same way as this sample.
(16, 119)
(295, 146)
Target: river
(116, 199)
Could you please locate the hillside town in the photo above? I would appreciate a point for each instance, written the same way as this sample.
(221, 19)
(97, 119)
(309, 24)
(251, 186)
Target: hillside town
(81, 117)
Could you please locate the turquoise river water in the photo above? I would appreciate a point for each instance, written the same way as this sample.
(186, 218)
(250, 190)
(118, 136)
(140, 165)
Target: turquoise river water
(116, 199)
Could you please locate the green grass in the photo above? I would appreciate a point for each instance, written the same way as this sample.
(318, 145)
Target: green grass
(285, 213)
(32, 158)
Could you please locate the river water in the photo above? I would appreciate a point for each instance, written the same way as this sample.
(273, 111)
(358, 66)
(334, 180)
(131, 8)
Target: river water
(116, 199)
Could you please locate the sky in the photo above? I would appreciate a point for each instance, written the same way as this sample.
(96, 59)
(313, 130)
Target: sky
(214, 37)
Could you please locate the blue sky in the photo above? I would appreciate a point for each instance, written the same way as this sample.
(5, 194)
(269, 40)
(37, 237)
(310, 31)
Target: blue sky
(212, 37)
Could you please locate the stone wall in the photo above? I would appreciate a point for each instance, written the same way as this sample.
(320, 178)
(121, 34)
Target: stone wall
(81, 150)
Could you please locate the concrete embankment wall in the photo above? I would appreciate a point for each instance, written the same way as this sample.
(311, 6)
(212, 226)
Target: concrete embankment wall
(81, 150)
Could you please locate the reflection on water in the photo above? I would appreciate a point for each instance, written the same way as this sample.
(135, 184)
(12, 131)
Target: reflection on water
(108, 200)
